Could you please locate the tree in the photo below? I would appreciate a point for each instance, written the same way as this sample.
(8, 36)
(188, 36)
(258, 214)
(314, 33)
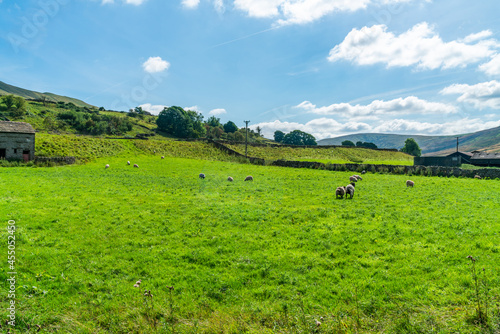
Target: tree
(347, 143)
(298, 137)
(259, 130)
(214, 121)
(366, 145)
(278, 136)
(230, 127)
(176, 121)
(411, 147)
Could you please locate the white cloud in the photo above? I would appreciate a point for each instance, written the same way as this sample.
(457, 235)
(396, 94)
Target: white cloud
(155, 64)
(492, 67)
(217, 112)
(193, 108)
(135, 2)
(322, 128)
(107, 1)
(259, 8)
(219, 6)
(482, 95)
(420, 46)
(191, 4)
(155, 109)
(399, 106)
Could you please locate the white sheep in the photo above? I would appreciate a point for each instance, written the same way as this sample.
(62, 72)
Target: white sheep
(107, 166)
(230, 179)
(340, 192)
(201, 176)
(409, 183)
(249, 178)
(136, 165)
(128, 163)
(477, 177)
(162, 157)
(363, 172)
(353, 179)
(349, 190)
(358, 177)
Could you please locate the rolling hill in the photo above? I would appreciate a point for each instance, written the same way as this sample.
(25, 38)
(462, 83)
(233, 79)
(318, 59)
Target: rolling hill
(6, 89)
(485, 140)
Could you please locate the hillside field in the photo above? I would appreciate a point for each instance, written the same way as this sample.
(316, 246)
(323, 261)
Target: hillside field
(276, 255)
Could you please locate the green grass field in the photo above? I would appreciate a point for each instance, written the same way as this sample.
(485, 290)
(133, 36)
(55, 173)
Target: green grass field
(274, 255)
(336, 155)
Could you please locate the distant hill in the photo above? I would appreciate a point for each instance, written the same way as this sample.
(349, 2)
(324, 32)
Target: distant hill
(486, 140)
(6, 89)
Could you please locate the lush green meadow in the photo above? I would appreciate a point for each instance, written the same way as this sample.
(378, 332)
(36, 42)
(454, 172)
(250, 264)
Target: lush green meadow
(274, 255)
(335, 155)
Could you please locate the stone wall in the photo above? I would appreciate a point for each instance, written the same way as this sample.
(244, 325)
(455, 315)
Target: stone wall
(57, 160)
(16, 143)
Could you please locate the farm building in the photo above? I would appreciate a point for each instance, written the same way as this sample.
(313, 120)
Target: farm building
(17, 141)
(486, 159)
(464, 156)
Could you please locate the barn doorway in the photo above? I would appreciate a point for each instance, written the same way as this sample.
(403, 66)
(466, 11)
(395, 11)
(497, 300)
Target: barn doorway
(26, 155)
(3, 153)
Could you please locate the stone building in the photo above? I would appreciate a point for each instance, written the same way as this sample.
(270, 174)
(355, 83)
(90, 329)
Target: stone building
(17, 141)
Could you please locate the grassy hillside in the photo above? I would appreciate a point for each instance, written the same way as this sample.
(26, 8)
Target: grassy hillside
(330, 155)
(276, 255)
(486, 140)
(6, 89)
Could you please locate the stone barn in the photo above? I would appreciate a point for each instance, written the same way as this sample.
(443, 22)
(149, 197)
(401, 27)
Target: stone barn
(17, 141)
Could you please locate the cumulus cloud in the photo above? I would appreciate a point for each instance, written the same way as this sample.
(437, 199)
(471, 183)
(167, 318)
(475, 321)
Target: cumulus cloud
(399, 106)
(289, 12)
(464, 125)
(420, 46)
(135, 2)
(193, 108)
(191, 4)
(492, 67)
(482, 95)
(155, 65)
(155, 109)
(217, 112)
(219, 6)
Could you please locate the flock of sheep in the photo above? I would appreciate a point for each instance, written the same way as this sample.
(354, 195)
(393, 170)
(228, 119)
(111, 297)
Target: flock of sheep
(229, 178)
(349, 189)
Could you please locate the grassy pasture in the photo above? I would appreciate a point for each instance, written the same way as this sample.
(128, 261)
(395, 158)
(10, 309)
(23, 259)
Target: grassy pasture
(336, 155)
(270, 256)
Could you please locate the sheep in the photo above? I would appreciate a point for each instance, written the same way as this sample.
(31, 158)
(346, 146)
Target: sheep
(353, 179)
(358, 177)
(340, 192)
(107, 166)
(363, 172)
(201, 176)
(249, 178)
(230, 179)
(349, 190)
(128, 163)
(162, 157)
(136, 165)
(409, 183)
(477, 177)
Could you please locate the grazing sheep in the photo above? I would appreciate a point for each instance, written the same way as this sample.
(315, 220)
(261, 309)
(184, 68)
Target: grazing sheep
(349, 190)
(162, 157)
(249, 178)
(201, 176)
(128, 163)
(363, 172)
(477, 177)
(230, 179)
(358, 177)
(353, 179)
(107, 166)
(410, 183)
(340, 192)
(136, 165)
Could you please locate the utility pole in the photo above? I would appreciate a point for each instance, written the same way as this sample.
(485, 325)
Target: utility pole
(246, 137)
(457, 144)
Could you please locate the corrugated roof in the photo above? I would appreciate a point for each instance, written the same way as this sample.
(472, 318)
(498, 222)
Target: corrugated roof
(16, 127)
(484, 155)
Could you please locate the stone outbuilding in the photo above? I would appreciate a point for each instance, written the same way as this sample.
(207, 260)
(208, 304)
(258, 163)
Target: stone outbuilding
(17, 141)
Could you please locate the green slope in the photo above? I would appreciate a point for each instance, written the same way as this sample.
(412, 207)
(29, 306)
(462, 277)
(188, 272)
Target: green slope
(6, 89)
(486, 140)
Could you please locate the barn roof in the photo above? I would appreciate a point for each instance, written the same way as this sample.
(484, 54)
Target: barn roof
(484, 155)
(16, 127)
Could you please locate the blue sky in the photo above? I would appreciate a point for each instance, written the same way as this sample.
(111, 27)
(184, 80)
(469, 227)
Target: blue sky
(327, 67)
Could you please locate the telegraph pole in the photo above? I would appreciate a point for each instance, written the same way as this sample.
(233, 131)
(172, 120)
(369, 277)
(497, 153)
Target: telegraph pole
(457, 144)
(246, 137)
